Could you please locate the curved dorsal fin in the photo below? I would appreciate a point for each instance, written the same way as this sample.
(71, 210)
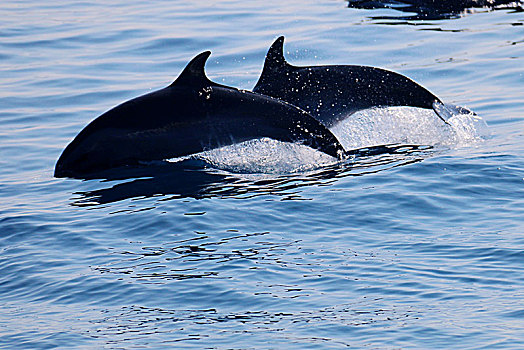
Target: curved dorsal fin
(275, 59)
(275, 64)
(275, 54)
(194, 73)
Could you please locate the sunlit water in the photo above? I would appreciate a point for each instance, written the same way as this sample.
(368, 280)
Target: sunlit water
(418, 243)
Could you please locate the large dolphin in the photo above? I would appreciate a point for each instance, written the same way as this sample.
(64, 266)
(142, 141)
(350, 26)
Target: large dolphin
(333, 92)
(191, 115)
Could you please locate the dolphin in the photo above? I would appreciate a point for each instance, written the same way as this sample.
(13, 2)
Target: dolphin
(333, 92)
(191, 115)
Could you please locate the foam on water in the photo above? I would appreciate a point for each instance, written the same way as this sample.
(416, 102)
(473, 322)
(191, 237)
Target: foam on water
(409, 126)
(467, 129)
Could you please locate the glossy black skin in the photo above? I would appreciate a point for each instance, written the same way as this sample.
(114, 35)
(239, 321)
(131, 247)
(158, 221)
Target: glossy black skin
(333, 92)
(191, 115)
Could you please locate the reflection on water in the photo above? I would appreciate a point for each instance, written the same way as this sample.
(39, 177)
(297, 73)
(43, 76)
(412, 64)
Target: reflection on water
(196, 179)
(432, 9)
(154, 264)
(234, 272)
(136, 322)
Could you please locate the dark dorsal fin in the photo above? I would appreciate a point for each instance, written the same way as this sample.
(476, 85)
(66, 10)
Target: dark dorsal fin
(275, 55)
(275, 64)
(194, 73)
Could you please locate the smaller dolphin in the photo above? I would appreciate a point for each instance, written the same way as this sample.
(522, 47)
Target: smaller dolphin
(333, 92)
(191, 115)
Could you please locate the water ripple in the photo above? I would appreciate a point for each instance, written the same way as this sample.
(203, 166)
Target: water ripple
(414, 242)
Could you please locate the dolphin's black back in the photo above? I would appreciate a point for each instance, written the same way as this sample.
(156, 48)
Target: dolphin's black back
(331, 93)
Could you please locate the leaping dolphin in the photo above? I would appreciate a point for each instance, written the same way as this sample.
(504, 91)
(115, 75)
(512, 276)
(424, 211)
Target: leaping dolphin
(191, 115)
(333, 92)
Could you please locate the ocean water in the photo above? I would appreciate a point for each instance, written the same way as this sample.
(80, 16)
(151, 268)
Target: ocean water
(263, 245)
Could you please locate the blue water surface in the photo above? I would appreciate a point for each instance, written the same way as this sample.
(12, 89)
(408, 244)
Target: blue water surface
(263, 245)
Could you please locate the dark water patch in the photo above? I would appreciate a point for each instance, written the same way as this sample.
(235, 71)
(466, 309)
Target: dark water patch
(431, 10)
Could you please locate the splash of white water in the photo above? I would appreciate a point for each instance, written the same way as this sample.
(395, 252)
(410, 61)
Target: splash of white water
(367, 128)
(407, 125)
(266, 156)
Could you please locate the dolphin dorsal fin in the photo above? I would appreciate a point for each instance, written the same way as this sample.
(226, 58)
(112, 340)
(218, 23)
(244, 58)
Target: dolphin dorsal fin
(275, 54)
(275, 59)
(274, 65)
(194, 73)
